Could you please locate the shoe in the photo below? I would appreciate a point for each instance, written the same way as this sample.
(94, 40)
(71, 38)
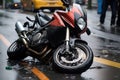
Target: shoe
(99, 24)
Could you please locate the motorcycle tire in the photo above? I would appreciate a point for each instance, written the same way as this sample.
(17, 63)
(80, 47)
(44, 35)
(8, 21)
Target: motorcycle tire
(82, 62)
(16, 51)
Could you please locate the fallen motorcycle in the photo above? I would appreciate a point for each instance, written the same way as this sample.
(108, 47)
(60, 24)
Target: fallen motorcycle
(55, 40)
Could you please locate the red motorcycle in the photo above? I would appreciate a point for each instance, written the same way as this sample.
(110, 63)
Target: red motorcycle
(55, 40)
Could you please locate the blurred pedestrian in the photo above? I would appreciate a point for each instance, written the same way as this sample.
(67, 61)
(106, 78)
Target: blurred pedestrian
(113, 6)
(99, 10)
(118, 14)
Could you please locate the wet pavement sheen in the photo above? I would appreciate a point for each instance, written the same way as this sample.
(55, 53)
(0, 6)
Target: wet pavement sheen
(104, 42)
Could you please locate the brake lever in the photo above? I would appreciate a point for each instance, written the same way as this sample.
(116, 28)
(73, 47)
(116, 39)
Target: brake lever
(88, 31)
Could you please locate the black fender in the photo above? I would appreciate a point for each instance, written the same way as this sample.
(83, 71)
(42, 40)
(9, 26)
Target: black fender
(77, 40)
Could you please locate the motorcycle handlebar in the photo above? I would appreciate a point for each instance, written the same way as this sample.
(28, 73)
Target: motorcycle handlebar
(27, 23)
(37, 20)
(30, 19)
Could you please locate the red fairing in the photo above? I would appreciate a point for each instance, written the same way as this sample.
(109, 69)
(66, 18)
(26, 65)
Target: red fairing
(76, 10)
(57, 22)
(59, 16)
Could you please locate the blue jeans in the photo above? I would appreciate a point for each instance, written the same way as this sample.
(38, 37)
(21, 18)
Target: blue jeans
(99, 10)
(113, 5)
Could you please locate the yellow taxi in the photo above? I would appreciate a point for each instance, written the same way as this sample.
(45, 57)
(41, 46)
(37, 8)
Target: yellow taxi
(42, 4)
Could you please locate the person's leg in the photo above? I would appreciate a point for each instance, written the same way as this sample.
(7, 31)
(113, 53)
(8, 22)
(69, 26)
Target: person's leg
(118, 18)
(99, 10)
(104, 9)
(113, 6)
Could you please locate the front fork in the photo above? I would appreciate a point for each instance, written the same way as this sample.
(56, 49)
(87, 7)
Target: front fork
(67, 39)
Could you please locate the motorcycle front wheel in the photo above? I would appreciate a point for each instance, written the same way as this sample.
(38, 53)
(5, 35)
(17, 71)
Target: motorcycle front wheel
(77, 60)
(16, 51)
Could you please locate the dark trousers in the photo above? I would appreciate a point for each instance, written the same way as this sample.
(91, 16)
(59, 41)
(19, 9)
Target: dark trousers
(113, 5)
(118, 18)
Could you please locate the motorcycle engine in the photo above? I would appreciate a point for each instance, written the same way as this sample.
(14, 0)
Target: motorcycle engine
(39, 38)
(36, 39)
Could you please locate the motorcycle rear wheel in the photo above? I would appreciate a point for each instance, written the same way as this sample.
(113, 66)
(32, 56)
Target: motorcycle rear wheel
(81, 61)
(16, 51)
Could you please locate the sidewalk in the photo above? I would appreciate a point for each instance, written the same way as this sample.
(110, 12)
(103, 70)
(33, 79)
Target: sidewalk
(94, 17)
(93, 20)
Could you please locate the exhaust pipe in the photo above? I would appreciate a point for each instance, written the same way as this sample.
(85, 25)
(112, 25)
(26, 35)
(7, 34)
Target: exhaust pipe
(21, 33)
(19, 27)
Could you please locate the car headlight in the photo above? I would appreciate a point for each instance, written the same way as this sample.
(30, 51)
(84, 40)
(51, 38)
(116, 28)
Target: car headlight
(81, 23)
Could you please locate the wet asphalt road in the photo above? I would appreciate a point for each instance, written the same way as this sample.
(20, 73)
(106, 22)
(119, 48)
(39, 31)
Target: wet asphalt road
(104, 41)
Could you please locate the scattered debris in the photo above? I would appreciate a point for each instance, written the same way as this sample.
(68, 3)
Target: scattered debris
(96, 67)
(105, 51)
(8, 68)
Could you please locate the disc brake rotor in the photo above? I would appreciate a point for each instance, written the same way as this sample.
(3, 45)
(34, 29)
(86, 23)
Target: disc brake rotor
(81, 56)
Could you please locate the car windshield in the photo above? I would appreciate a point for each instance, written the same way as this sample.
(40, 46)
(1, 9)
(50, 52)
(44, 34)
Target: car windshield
(16, 1)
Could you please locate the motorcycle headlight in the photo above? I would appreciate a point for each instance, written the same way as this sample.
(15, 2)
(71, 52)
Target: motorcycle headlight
(81, 23)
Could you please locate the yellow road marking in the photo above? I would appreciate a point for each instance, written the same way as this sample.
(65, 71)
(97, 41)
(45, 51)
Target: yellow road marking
(4, 40)
(107, 62)
(38, 73)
